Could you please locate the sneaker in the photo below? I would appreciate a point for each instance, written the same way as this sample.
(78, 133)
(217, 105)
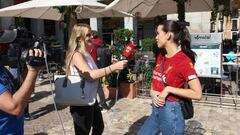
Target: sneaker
(105, 106)
(103, 110)
(40, 79)
(28, 118)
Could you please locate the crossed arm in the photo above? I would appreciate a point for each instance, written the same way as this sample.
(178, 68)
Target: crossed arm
(193, 92)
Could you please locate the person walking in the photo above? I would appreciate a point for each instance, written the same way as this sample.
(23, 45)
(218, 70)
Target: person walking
(178, 68)
(82, 64)
(97, 44)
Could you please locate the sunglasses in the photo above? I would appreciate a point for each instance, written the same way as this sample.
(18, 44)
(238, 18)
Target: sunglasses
(89, 35)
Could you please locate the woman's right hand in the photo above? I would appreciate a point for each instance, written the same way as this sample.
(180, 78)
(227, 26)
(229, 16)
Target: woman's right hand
(120, 65)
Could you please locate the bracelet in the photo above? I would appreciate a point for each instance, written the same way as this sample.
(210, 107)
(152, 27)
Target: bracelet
(105, 71)
(110, 69)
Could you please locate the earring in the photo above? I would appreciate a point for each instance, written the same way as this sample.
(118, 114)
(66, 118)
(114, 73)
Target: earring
(179, 42)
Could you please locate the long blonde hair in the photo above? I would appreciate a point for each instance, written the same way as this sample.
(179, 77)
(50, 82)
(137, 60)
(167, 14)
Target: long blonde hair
(77, 41)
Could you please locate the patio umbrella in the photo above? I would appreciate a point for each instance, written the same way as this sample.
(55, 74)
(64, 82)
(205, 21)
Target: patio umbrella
(152, 8)
(44, 9)
(105, 12)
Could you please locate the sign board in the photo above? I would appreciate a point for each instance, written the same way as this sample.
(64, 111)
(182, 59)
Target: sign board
(208, 50)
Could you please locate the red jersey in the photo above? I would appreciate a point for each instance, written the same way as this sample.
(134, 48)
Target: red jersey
(178, 69)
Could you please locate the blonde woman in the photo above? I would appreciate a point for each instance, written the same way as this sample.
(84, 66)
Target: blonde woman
(81, 63)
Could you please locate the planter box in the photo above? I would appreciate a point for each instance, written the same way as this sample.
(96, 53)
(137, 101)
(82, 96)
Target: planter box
(109, 92)
(128, 90)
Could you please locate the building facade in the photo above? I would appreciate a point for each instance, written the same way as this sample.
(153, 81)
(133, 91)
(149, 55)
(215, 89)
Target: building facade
(199, 23)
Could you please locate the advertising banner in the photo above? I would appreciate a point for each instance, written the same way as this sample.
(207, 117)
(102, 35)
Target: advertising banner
(208, 50)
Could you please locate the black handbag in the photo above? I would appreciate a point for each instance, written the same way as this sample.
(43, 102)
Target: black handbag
(187, 108)
(186, 104)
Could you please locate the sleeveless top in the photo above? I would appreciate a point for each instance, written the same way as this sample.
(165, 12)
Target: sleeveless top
(90, 89)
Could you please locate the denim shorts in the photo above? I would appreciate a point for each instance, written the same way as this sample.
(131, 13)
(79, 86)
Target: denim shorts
(167, 119)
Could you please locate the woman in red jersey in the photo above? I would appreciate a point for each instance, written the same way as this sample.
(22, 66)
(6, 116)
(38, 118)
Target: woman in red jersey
(168, 81)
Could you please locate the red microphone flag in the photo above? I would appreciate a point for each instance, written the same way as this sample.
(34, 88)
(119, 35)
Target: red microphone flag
(129, 50)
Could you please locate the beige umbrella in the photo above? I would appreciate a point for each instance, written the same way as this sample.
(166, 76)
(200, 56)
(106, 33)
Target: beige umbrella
(152, 8)
(105, 12)
(44, 9)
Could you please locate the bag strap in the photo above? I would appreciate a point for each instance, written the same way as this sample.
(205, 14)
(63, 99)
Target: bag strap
(67, 71)
(163, 82)
(82, 82)
(68, 66)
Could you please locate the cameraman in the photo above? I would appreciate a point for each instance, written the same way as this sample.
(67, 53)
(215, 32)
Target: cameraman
(13, 100)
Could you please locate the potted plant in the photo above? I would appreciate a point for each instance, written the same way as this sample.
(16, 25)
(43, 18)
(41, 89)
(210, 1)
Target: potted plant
(109, 86)
(147, 71)
(127, 84)
(123, 80)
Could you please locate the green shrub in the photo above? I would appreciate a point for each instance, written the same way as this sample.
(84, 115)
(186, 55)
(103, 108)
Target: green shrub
(122, 36)
(147, 75)
(147, 43)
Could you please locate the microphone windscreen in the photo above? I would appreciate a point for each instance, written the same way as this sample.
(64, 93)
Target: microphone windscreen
(129, 50)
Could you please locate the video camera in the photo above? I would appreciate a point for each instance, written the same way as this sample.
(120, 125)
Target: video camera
(17, 44)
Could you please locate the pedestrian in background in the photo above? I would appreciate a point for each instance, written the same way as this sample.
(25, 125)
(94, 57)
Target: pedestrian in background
(172, 70)
(97, 44)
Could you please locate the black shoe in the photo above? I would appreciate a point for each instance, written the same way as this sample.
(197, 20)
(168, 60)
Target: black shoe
(104, 106)
(103, 109)
(28, 118)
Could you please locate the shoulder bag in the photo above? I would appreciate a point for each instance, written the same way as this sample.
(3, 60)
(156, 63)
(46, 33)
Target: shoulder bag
(74, 90)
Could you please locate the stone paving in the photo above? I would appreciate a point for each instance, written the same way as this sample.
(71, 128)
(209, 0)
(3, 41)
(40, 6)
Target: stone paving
(126, 117)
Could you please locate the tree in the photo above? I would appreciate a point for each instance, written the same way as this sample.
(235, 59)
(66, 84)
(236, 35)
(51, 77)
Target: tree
(69, 14)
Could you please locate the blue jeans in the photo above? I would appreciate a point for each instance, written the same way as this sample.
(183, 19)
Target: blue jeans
(101, 95)
(167, 119)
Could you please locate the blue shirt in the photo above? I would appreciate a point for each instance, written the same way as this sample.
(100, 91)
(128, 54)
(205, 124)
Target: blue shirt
(9, 124)
(231, 58)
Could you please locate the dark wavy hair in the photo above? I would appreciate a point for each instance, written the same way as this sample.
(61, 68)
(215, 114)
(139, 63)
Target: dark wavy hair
(181, 36)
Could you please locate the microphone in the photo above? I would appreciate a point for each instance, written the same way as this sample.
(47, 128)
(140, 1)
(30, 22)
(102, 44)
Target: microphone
(128, 51)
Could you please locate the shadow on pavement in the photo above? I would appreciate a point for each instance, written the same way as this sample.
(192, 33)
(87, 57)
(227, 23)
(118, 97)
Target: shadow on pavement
(44, 82)
(112, 102)
(133, 129)
(45, 110)
(194, 127)
(39, 95)
(42, 133)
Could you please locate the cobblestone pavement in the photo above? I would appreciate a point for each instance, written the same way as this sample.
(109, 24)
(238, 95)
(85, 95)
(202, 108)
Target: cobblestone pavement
(126, 117)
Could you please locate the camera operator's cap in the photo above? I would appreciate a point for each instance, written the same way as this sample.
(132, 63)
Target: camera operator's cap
(7, 36)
